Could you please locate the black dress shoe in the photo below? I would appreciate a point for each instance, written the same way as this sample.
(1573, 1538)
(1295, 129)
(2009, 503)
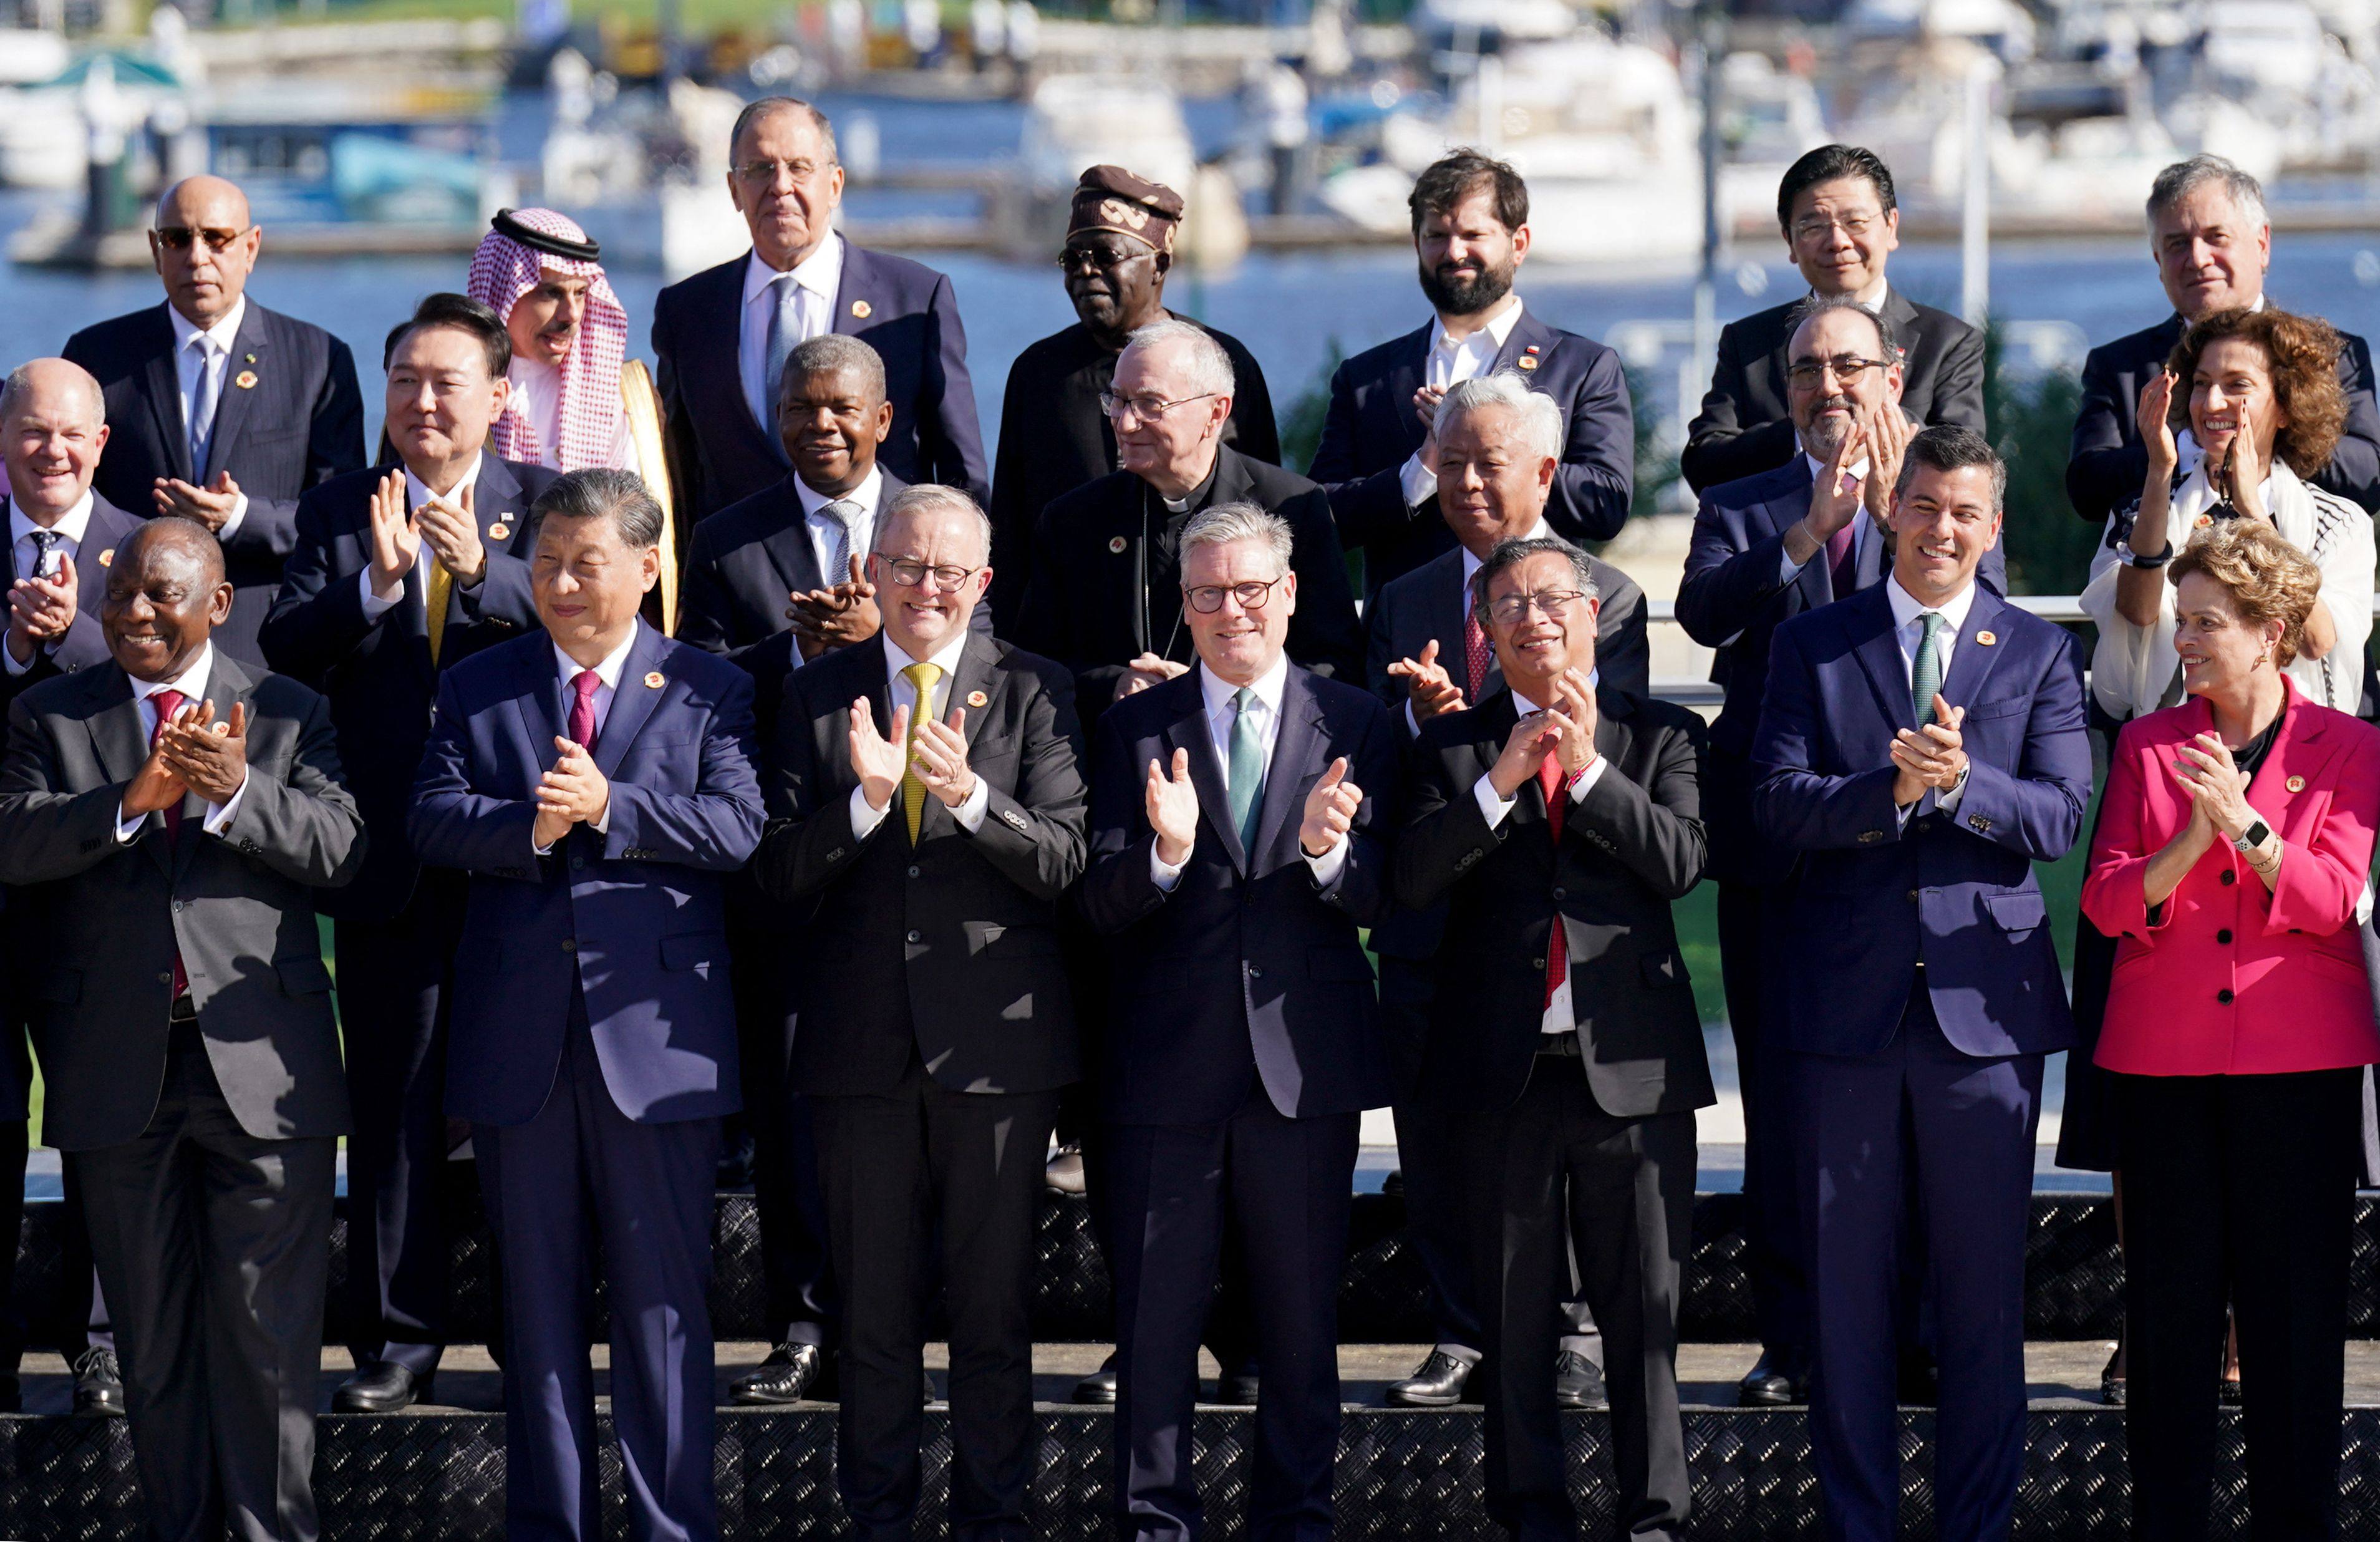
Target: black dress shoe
(2111, 1380)
(1772, 1384)
(735, 1163)
(791, 1373)
(1438, 1383)
(1098, 1389)
(1578, 1381)
(12, 1395)
(1921, 1384)
(2226, 1392)
(385, 1388)
(1237, 1388)
(98, 1385)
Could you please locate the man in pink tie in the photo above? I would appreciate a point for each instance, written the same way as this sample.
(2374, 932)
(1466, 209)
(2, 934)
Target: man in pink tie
(1556, 823)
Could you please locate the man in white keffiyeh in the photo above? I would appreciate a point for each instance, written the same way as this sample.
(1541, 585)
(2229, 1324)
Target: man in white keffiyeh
(539, 272)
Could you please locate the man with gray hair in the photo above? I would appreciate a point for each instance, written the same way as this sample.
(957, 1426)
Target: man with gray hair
(2212, 242)
(1237, 814)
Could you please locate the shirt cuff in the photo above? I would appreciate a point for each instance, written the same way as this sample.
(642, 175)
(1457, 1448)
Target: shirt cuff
(1329, 867)
(1588, 778)
(1164, 874)
(1949, 802)
(1412, 723)
(864, 819)
(8, 658)
(375, 606)
(604, 821)
(1420, 483)
(127, 826)
(1787, 568)
(971, 810)
(231, 521)
(219, 815)
(1493, 805)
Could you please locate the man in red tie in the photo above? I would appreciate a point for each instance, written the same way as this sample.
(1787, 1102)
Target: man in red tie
(1556, 822)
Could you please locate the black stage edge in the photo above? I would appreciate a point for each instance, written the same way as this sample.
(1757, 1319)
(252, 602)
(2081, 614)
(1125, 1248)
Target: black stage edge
(1404, 1475)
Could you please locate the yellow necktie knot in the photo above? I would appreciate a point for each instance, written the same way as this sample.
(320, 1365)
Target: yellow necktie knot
(922, 678)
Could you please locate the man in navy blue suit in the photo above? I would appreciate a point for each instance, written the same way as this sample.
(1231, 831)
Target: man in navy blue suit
(1923, 747)
(595, 782)
(1377, 459)
(1234, 818)
(721, 338)
(1766, 549)
(218, 410)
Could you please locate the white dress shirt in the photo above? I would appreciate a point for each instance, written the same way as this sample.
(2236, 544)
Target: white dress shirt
(1496, 808)
(1451, 361)
(69, 529)
(417, 492)
(193, 684)
(1908, 630)
(1863, 529)
(537, 391)
(216, 356)
(607, 686)
(823, 528)
(819, 277)
(1264, 713)
(900, 694)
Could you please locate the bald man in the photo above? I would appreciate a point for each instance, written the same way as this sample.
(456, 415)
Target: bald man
(217, 409)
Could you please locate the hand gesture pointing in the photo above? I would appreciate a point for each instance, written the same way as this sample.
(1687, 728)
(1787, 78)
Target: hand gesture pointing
(1173, 809)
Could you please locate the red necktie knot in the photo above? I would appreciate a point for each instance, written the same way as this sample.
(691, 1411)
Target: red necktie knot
(167, 703)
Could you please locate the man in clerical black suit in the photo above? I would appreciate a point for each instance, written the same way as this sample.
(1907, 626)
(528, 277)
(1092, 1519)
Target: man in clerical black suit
(1235, 839)
(1559, 838)
(1104, 595)
(219, 410)
(1471, 231)
(721, 338)
(928, 815)
(1763, 550)
(1054, 434)
(396, 576)
(2212, 242)
(1837, 208)
(175, 810)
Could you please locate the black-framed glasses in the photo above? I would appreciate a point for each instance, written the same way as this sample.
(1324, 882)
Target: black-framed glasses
(909, 573)
(1847, 367)
(1207, 599)
(1099, 259)
(1148, 409)
(181, 237)
(1514, 608)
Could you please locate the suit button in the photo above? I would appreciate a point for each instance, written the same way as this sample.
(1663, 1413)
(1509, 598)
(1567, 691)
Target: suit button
(164, 977)
(1912, 896)
(2229, 877)
(2224, 995)
(917, 936)
(1561, 894)
(2223, 936)
(1536, 964)
(580, 861)
(792, 615)
(1255, 973)
(570, 945)
(913, 871)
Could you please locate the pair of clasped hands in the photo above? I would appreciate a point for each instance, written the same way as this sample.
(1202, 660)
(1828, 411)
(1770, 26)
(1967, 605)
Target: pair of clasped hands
(191, 756)
(938, 754)
(826, 619)
(42, 610)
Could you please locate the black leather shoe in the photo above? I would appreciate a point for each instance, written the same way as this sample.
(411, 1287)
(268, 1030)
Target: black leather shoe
(2111, 1380)
(2226, 1392)
(1438, 1383)
(1099, 1388)
(1578, 1381)
(735, 1162)
(791, 1373)
(12, 1395)
(98, 1385)
(1237, 1388)
(383, 1387)
(1921, 1383)
(1771, 1384)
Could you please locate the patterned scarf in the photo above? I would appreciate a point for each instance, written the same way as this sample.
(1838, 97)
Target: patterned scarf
(587, 422)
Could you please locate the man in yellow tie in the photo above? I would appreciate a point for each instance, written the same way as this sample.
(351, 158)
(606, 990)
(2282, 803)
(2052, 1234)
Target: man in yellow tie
(936, 1025)
(398, 573)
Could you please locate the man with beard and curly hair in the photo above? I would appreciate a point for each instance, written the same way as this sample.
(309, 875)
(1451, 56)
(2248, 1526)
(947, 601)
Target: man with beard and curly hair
(1378, 459)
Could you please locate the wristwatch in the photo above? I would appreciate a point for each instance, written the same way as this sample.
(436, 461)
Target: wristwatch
(2130, 558)
(2252, 837)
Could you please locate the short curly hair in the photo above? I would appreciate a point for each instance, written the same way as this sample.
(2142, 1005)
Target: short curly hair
(2268, 578)
(2305, 355)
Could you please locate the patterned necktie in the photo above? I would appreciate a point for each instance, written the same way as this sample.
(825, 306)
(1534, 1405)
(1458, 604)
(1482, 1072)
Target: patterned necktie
(844, 516)
(202, 405)
(582, 708)
(784, 336)
(922, 679)
(1246, 771)
(1476, 656)
(1550, 781)
(45, 546)
(1925, 671)
(167, 703)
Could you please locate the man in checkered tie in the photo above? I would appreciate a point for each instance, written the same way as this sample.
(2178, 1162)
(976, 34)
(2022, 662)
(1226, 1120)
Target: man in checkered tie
(1557, 823)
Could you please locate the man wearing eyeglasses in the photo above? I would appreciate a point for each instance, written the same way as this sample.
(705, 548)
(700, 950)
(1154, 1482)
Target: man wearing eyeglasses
(1840, 221)
(722, 337)
(927, 813)
(1053, 434)
(219, 410)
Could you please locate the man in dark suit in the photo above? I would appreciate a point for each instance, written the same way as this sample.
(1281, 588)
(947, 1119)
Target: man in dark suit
(721, 338)
(2212, 242)
(937, 1028)
(1922, 992)
(596, 784)
(1471, 231)
(176, 810)
(1499, 447)
(219, 410)
(1842, 221)
(1766, 549)
(1558, 838)
(396, 576)
(1236, 811)
(1104, 594)
(1054, 433)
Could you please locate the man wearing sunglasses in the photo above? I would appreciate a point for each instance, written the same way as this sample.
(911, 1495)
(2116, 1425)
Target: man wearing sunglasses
(219, 410)
(1053, 434)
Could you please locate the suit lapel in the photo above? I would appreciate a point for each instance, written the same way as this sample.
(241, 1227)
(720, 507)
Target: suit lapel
(1973, 661)
(1527, 333)
(227, 685)
(164, 393)
(232, 404)
(1188, 732)
(540, 701)
(122, 744)
(1294, 760)
(789, 550)
(1879, 653)
(633, 699)
(1405, 378)
(855, 301)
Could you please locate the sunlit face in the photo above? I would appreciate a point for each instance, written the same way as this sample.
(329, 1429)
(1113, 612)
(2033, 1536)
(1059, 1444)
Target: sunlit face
(1238, 641)
(1169, 427)
(931, 568)
(587, 583)
(441, 401)
(2231, 390)
(51, 441)
(1468, 255)
(2208, 257)
(1541, 621)
(785, 182)
(544, 322)
(1492, 484)
(1838, 345)
(1840, 236)
(830, 423)
(204, 248)
(159, 607)
(1942, 524)
(2219, 647)
(1110, 278)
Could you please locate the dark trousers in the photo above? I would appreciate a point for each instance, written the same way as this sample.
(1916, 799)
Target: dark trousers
(1965, 1126)
(1747, 920)
(896, 1169)
(2237, 1189)
(215, 1248)
(393, 977)
(578, 1181)
(1285, 1186)
(1556, 1164)
(797, 1286)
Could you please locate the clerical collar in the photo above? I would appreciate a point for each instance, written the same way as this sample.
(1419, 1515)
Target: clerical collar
(1197, 496)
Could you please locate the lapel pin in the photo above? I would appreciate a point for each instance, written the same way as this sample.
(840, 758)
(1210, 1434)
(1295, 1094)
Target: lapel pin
(1526, 362)
(977, 698)
(862, 309)
(656, 679)
(1986, 638)
(1115, 544)
(499, 530)
(2203, 521)
(245, 380)
(2297, 784)
(248, 359)
(107, 556)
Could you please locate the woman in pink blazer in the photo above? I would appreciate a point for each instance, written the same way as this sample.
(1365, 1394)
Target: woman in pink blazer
(2230, 863)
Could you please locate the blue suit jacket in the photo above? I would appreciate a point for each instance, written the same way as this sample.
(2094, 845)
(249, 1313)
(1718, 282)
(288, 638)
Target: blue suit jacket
(1874, 897)
(300, 424)
(1246, 969)
(903, 309)
(636, 918)
(1371, 430)
(83, 645)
